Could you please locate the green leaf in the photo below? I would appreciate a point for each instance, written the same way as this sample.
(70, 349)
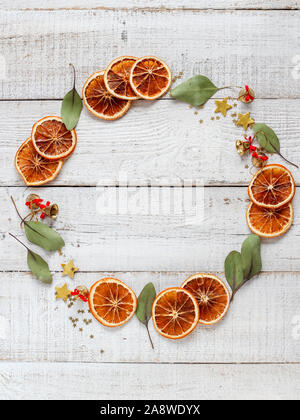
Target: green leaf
(145, 300)
(195, 91)
(71, 105)
(234, 270)
(42, 235)
(39, 267)
(251, 258)
(266, 138)
(71, 109)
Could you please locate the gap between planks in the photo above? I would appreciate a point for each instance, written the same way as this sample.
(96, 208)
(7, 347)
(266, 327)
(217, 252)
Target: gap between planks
(143, 271)
(159, 99)
(2, 361)
(155, 9)
(139, 186)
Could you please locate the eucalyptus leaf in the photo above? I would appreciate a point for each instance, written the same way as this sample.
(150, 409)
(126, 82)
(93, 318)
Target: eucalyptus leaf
(39, 267)
(251, 258)
(71, 109)
(145, 300)
(266, 138)
(234, 270)
(42, 235)
(195, 91)
(71, 105)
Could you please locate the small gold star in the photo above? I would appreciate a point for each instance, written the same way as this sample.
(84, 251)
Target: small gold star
(245, 120)
(222, 106)
(62, 292)
(69, 269)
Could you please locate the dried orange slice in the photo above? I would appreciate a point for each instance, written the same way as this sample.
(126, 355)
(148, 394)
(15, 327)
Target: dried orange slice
(211, 294)
(33, 168)
(269, 223)
(51, 138)
(112, 302)
(272, 187)
(116, 78)
(175, 313)
(150, 77)
(100, 102)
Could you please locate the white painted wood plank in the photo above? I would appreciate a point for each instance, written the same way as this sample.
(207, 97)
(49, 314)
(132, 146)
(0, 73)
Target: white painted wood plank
(146, 237)
(148, 5)
(251, 47)
(161, 143)
(262, 324)
(121, 382)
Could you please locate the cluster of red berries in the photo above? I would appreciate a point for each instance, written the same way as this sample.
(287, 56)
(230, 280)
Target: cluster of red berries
(248, 96)
(80, 295)
(38, 202)
(252, 149)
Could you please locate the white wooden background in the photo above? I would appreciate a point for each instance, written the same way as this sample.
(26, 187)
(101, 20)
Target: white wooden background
(254, 352)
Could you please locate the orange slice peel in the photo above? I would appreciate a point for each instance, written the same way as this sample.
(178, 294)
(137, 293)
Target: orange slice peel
(51, 138)
(272, 187)
(175, 313)
(150, 77)
(211, 294)
(269, 223)
(101, 103)
(33, 168)
(112, 302)
(116, 78)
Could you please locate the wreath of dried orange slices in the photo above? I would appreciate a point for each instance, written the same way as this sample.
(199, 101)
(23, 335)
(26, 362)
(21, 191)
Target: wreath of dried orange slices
(203, 298)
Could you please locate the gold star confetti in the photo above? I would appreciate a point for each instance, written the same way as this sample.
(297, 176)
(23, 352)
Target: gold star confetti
(69, 269)
(62, 292)
(222, 106)
(245, 120)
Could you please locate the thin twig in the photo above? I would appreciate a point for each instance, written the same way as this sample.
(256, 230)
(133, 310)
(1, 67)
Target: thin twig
(16, 209)
(24, 221)
(74, 82)
(288, 161)
(230, 87)
(147, 328)
(276, 150)
(19, 241)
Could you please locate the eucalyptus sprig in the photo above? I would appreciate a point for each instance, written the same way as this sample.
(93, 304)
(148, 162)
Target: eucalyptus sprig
(37, 265)
(71, 105)
(145, 300)
(41, 234)
(240, 267)
(267, 138)
(197, 90)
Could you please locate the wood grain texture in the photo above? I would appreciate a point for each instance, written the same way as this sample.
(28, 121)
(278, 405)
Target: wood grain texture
(254, 352)
(254, 47)
(161, 143)
(262, 324)
(149, 233)
(157, 5)
(122, 382)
